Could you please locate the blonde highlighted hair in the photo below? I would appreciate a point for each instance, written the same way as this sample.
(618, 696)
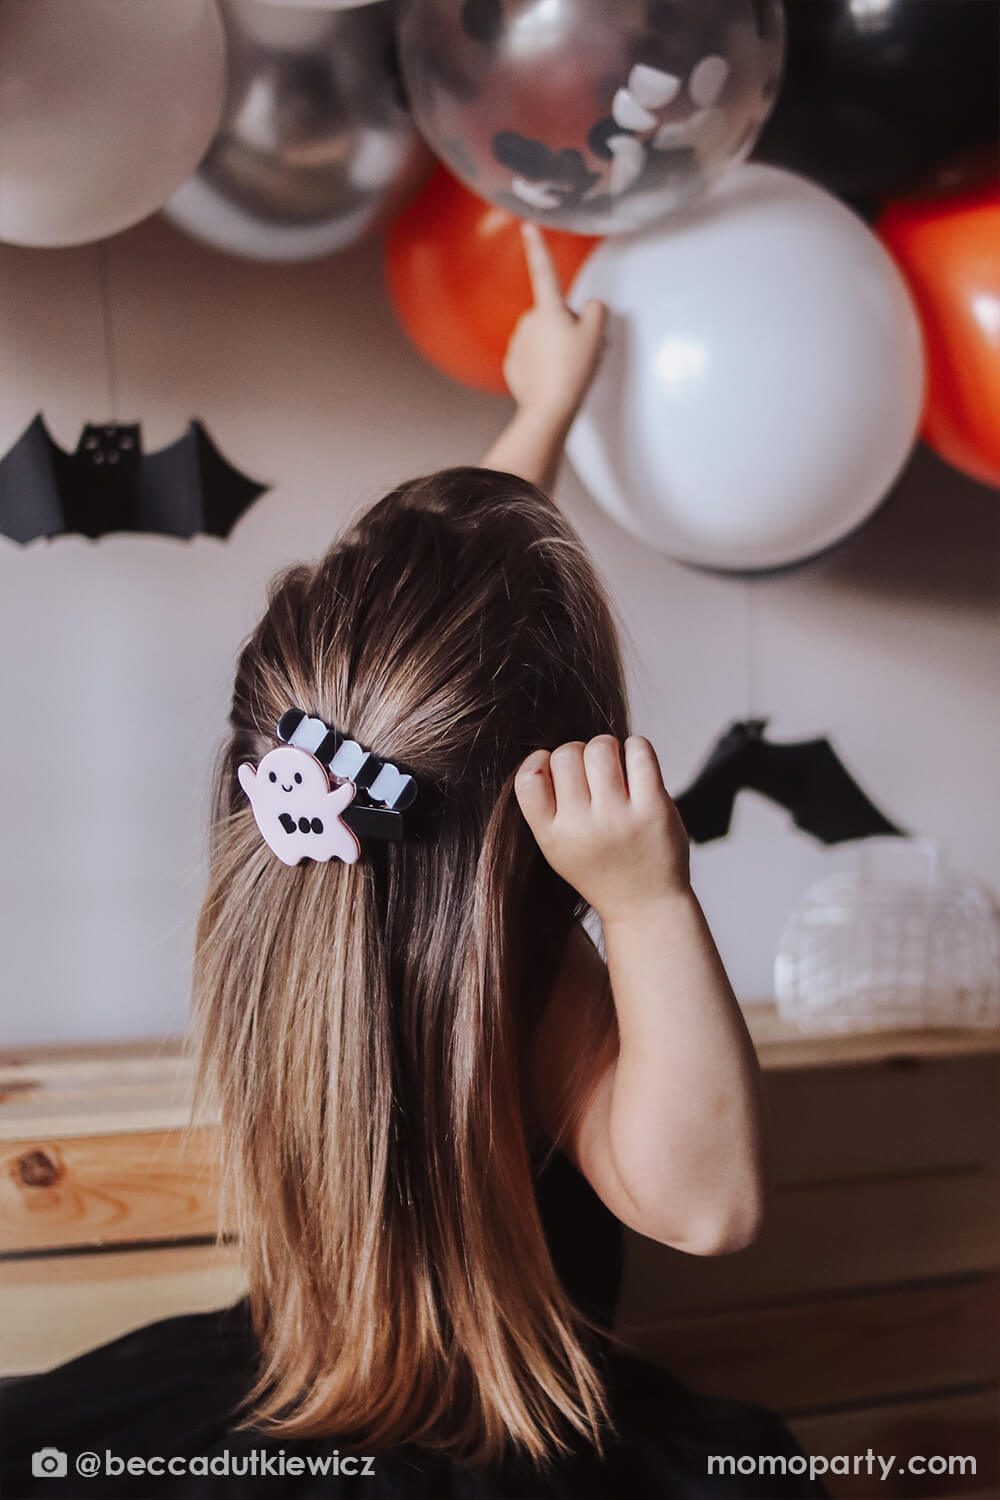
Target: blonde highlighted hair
(365, 1028)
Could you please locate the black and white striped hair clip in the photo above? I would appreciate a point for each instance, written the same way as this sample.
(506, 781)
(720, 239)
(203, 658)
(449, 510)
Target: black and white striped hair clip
(383, 791)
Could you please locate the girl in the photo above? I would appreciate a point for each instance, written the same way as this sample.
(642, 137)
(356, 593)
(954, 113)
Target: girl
(438, 1105)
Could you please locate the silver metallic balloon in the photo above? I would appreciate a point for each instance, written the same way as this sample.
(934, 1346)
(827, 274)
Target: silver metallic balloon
(316, 147)
(599, 116)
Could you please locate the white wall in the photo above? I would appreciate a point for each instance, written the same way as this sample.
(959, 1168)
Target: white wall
(117, 654)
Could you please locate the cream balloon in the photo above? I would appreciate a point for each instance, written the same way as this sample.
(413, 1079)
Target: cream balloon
(764, 378)
(105, 109)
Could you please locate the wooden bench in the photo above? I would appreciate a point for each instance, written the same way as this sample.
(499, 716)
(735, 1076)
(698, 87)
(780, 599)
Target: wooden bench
(868, 1313)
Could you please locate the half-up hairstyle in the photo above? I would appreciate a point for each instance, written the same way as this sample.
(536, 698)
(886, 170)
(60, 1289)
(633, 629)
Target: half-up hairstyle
(364, 1028)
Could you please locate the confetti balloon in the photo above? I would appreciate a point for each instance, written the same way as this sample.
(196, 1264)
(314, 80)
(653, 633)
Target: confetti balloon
(763, 381)
(598, 116)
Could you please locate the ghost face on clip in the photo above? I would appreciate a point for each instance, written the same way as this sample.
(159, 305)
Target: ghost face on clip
(296, 809)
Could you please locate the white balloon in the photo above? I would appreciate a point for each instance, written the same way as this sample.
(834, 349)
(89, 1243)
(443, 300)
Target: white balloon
(764, 378)
(105, 109)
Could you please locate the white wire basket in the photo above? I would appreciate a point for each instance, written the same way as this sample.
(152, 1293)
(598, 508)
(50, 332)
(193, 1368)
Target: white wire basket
(898, 942)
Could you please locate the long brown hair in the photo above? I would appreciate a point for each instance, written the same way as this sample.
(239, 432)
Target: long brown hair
(363, 1028)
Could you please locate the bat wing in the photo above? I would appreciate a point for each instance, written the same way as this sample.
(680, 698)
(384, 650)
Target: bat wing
(811, 781)
(189, 488)
(706, 805)
(30, 502)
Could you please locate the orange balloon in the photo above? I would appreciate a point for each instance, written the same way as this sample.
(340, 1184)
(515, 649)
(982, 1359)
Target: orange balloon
(949, 251)
(458, 278)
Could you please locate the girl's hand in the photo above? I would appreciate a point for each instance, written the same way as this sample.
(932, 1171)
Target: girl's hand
(553, 352)
(614, 835)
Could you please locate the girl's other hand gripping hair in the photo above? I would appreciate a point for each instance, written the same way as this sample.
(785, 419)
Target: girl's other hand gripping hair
(611, 831)
(666, 1123)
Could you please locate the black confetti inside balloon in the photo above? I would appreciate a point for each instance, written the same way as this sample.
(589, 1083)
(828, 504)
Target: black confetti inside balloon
(599, 116)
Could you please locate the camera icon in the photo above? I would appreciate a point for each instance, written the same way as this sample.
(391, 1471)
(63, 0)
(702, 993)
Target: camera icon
(48, 1463)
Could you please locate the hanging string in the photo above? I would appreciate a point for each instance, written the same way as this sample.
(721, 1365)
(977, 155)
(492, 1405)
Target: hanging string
(110, 356)
(750, 650)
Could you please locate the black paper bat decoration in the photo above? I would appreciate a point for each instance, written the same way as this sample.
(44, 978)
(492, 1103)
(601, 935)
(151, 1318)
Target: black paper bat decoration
(109, 484)
(807, 778)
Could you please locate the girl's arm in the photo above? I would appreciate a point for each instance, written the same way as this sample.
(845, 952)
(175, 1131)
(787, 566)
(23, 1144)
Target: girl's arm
(550, 362)
(670, 1136)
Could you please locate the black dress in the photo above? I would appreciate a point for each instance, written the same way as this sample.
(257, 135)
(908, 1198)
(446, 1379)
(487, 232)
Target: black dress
(168, 1389)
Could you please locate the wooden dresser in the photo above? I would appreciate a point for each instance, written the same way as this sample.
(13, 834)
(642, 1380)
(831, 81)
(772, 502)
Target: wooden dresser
(868, 1313)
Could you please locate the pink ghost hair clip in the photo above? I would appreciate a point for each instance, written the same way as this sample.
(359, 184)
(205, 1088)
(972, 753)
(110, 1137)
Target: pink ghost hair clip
(302, 815)
(297, 810)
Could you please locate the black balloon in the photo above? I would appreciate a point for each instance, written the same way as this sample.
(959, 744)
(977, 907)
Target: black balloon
(879, 94)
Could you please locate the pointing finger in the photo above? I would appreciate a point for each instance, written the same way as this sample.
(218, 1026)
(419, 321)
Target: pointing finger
(545, 286)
